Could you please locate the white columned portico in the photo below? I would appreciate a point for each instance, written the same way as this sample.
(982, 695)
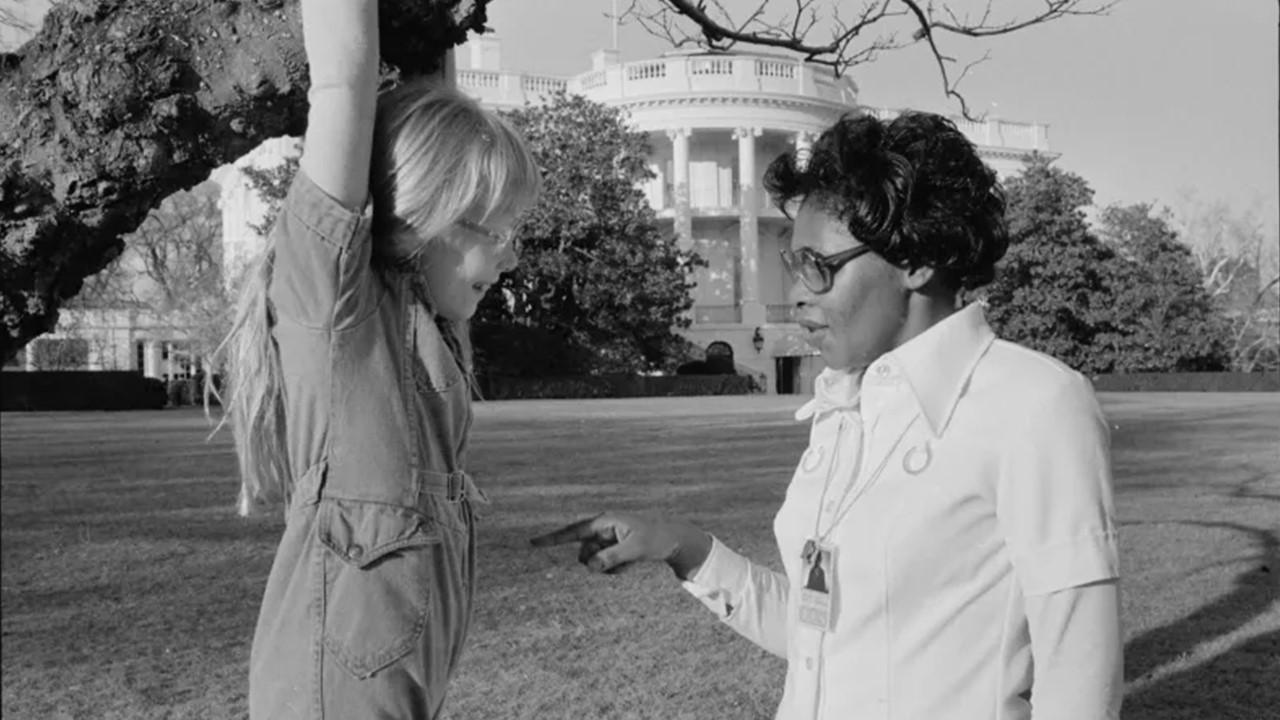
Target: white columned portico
(680, 172)
(151, 359)
(169, 367)
(753, 312)
(804, 146)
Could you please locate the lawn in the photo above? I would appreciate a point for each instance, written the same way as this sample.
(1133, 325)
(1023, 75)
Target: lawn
(130, 588)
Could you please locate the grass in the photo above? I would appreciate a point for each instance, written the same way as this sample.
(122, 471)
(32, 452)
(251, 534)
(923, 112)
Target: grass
(130, 589)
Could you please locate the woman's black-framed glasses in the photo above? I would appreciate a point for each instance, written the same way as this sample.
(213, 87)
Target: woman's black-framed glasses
(818, 271)
(511, 238)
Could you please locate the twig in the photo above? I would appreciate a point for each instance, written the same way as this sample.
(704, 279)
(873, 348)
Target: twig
(849, 43)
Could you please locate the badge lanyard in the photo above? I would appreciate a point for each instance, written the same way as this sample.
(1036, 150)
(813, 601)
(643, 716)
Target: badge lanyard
(810, 545)
(818, 577)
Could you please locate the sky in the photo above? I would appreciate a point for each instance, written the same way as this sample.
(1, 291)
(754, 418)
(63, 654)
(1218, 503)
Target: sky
(1155, 101)
(1158, 99)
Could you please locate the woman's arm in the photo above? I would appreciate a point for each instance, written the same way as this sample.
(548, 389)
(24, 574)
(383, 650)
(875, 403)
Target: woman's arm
(749, 598)
(1075, 646)
(1056, 510)
(341, 40)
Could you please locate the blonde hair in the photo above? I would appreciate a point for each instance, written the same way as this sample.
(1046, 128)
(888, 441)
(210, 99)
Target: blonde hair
(438, 157)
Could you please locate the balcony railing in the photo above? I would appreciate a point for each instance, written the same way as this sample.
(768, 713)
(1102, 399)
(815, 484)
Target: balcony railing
(716, 314)
(722, 73)
(779, 314)
(508, 89)
(685, 74)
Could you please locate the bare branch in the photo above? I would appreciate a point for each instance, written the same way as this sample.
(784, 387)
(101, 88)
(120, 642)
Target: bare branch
(718, 32)
(1053, 10)
(10, 19)
(850, 42)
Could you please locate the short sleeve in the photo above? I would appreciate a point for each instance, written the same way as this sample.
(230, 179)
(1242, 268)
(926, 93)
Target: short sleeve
(321, 277)
(1054, 499)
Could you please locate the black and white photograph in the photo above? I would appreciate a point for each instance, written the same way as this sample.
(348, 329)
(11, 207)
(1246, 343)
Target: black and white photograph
(640, 359)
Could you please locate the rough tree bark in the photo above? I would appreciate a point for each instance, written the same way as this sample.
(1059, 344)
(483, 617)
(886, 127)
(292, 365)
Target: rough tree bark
(117, 104)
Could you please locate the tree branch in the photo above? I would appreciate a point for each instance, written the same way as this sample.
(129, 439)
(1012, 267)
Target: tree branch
(850, 42)
(116, 104)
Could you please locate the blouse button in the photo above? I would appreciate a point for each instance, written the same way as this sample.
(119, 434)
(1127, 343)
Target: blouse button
(808, 663)
(354, 552)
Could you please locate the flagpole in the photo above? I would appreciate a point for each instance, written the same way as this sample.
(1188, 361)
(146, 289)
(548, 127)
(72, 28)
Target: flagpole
(615, 24)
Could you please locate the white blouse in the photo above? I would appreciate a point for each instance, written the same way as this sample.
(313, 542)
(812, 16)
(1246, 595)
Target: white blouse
(964, 483)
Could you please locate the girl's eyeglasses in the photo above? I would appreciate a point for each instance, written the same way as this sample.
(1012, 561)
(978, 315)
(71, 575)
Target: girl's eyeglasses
(504, 240)
(818, 271)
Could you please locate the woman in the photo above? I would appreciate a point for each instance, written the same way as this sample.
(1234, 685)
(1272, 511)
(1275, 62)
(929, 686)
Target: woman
(956, 491)
(350, 375)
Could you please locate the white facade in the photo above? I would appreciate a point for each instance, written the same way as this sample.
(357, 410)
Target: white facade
(715, 121)
(112, 339)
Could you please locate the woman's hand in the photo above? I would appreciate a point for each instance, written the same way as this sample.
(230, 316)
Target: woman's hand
(610, 542)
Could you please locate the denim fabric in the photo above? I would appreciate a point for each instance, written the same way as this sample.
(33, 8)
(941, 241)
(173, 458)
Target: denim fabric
(369, 598)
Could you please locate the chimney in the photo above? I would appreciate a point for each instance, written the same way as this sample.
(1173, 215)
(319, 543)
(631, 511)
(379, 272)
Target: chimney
(602, 59)
(485, 52)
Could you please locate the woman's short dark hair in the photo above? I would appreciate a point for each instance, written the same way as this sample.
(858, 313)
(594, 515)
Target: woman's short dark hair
(913, 189)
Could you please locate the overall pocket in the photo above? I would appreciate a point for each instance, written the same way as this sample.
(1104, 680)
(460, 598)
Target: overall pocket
(377, 576)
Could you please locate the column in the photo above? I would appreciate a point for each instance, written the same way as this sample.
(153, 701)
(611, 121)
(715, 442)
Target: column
(151, 353)
(680, 171)
(753, 312)
(29, 356)
(804, 146)
(169, 366)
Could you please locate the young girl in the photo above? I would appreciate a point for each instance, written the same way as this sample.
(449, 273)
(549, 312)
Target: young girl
(350, 381)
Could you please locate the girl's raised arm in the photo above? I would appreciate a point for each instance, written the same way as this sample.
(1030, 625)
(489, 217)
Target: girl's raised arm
(341, 39)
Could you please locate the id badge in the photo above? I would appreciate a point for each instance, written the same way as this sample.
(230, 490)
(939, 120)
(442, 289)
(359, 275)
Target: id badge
(819, 577)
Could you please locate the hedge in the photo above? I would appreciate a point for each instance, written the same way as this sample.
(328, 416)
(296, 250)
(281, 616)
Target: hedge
(80, 390)
(614, 386)
(1189, 382)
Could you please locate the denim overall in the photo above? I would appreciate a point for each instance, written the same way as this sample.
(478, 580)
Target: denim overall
(369, 598)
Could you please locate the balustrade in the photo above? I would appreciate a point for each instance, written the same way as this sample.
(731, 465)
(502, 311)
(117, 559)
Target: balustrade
(646, 70)
(478, 79)
(716, 314)
(541, 84)
(778, 314)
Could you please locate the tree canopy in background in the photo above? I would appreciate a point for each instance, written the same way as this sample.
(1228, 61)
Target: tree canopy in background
(1238, 257)
(1051, 289)
(1163, 319)
(598, 288)
(1125, 297)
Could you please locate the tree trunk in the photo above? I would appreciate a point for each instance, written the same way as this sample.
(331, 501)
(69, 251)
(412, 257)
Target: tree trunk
(117, 104)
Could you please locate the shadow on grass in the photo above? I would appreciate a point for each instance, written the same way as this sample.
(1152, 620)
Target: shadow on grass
(1240, 683)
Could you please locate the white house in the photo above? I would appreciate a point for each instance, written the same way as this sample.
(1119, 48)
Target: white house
(715, 121)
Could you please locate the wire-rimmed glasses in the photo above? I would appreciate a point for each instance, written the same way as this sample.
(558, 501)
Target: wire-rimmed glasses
(511, 238)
